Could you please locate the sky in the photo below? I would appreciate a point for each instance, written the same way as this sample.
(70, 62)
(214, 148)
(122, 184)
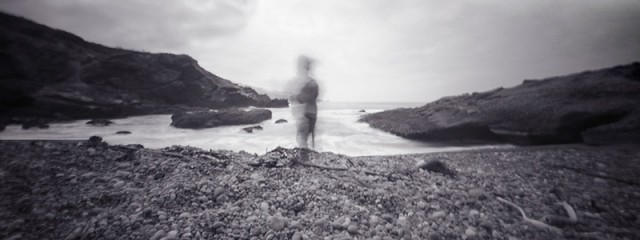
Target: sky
(365, 50)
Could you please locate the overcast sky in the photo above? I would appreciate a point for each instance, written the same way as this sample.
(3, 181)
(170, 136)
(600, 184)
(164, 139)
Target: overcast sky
(367, 50)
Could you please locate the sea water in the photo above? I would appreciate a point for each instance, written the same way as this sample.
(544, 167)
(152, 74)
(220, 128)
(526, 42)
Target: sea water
(338, 130)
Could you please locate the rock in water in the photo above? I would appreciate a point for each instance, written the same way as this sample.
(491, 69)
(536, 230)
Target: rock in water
(250, 129)
(100, 122)
(123, 132)
(209, 119)
(435, 166)
(281, 121)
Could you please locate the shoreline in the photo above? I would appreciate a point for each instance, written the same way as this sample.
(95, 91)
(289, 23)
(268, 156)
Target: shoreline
(82, 189)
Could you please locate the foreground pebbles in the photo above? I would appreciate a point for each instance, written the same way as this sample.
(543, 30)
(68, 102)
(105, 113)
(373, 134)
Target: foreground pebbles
(90, 190)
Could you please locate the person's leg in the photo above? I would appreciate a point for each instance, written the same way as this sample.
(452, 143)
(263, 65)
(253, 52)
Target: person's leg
(311, 118)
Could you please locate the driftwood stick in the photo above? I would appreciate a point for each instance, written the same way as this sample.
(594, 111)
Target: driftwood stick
(533, 222)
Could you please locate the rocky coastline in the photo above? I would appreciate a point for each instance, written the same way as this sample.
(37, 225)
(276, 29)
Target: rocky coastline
(49, 75)
(92, 190)
(596, 107)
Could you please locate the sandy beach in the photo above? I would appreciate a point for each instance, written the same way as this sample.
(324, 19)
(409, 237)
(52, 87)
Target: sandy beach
(91, 190)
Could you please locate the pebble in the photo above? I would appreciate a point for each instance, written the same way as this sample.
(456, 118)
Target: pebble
(275, 223)
(477, 193)
(599, 180)
(218, 191)
(474, 213)
(172, 235)
(264, 206)
(184, 215)
(471, 231)
(217, 225)
(118, 184)
(158, 235)
(341, 222)
(352, 228)
(438, 214)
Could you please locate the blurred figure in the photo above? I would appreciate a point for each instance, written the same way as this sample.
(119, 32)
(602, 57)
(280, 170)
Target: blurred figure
(303, 94)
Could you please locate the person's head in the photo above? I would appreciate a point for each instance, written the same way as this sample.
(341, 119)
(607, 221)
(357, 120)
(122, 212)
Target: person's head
(304, 64)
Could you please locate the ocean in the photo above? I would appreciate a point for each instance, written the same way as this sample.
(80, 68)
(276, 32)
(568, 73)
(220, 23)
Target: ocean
(337, 130)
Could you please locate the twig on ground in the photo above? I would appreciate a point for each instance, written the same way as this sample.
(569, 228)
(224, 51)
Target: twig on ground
(533, 222)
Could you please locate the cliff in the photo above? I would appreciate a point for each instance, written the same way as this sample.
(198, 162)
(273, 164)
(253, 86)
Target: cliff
(597, 107)
(51, 74)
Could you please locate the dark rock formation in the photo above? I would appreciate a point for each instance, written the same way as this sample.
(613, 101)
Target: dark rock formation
(209, 119)
(281, 121)
(49, 73)
(100, 122)
(123, 132)
(250, 129)
(35, 122)
(363, 111)
(597, 107)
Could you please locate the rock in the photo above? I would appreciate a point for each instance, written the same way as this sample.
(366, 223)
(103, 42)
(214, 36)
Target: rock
(184, 215)
(209, 119)
(435, 166)
(474, 213)
(158, 235)
(471, 231)
(275, 223)
(250, 129)
(297, 236)
(341, 223)
(589, 112)
(218, 191)
(281, 121)
(172, 235)
(94, 141)
(352, 228)
(217, 225)
(362, 111)
(438, 214)
(100, 122)
(123, 132)
(478, 193)
(118, 184)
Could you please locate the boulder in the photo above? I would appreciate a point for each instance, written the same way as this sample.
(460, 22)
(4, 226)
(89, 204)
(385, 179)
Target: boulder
(599, 107)
(250, 129)
(100, 122)
(209, 118)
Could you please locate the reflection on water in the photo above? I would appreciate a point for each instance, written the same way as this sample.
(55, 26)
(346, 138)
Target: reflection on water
(337, 131)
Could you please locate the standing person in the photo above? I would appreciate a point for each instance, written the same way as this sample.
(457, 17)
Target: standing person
(303, 95)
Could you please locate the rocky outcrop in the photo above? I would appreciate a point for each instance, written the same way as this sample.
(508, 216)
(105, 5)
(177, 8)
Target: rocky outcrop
(209, 119)
(252, 128)
(597, 107)
(100, 122)
(51, 74)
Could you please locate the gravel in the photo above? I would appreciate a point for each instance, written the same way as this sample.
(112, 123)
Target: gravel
(88, 190)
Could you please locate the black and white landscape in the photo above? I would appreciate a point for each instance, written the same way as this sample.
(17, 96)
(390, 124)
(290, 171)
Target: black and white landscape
(465, 120)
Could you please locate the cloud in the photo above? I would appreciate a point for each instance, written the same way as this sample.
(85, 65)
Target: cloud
(367, 50)
(143, 24)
